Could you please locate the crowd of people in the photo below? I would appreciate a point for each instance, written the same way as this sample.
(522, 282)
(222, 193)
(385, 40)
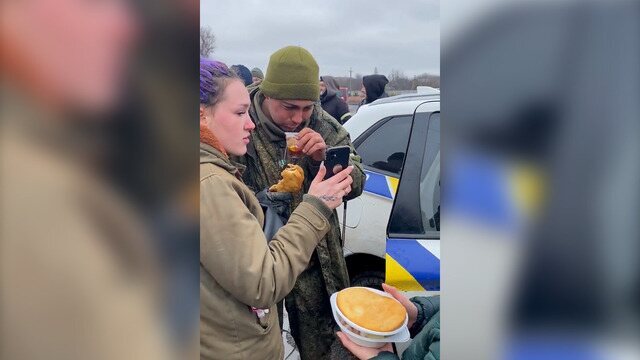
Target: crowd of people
(245, 275)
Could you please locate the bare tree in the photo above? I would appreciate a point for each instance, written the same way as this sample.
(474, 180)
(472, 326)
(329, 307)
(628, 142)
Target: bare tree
(426, 80)
(207, 41)
(398, 81)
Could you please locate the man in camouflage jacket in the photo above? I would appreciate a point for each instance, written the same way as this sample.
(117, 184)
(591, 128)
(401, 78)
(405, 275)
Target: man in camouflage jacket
(287, 100)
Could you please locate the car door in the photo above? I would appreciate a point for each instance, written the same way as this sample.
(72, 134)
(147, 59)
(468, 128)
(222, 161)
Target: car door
(412, 258)
(382, 148)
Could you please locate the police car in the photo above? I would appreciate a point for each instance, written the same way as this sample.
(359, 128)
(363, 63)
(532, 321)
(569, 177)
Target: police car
(393, 228)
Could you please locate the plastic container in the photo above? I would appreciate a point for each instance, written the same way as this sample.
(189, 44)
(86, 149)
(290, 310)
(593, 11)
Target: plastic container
(293, 152)
(366, 337)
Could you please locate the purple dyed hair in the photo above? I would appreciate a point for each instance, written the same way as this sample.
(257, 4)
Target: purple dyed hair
(214, 77)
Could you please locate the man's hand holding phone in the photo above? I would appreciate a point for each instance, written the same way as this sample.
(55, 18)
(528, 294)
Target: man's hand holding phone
(331, 190)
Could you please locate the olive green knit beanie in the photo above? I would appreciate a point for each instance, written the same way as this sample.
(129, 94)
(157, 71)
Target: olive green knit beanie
(292, 74)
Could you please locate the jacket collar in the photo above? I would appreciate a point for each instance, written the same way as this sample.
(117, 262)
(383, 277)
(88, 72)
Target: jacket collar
(207, 137)
(211, 151)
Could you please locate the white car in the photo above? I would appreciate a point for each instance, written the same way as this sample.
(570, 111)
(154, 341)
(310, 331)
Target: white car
(392, 134)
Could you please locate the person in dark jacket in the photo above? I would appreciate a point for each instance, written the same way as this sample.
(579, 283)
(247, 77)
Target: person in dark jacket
(244, 73)
(331, 102)
(424, 326)
(373, 88)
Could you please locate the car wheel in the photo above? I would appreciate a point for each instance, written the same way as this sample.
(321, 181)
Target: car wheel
(371, 278)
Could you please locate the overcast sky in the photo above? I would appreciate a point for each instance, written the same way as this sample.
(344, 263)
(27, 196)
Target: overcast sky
(361, 34)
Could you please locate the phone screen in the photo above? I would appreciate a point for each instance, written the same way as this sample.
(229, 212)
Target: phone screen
(337, 159)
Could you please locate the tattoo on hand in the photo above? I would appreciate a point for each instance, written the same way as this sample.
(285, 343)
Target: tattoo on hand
(328, 198)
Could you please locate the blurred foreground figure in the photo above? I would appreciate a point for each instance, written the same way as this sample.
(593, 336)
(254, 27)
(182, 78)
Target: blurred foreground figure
(79, 275)
(542, 202)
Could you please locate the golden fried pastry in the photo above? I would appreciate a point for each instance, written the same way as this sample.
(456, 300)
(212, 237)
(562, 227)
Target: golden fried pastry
(370, 310)
(292, 178)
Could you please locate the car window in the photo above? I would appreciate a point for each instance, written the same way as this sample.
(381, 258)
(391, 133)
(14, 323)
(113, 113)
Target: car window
(419, 216)
(430, 177)
(384, 149)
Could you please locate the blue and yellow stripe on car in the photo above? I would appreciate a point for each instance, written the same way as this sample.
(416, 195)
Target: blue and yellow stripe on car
(381, 185)
(413, 265)
(499, 194)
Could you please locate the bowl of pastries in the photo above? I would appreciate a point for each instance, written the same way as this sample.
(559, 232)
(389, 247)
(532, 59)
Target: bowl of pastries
(370, 317)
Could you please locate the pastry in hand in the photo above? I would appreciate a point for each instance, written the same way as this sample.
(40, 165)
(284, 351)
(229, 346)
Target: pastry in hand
(292, 178)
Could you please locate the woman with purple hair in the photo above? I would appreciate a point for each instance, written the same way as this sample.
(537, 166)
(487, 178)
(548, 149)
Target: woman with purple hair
(242, 273)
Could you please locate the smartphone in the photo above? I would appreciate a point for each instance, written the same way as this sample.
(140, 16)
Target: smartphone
(337, 159)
